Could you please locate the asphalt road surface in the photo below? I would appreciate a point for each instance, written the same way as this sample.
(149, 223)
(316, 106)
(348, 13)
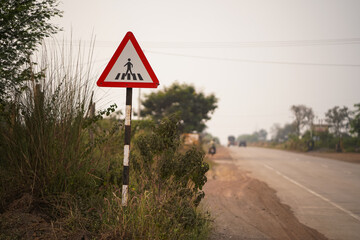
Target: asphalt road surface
(323, 193)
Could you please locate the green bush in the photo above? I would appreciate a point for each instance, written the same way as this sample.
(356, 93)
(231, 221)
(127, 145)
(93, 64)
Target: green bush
(350, 144)
(173, 178)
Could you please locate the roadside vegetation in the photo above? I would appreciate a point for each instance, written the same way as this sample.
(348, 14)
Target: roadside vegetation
(55, 170)
(61, 166)
(338, 132)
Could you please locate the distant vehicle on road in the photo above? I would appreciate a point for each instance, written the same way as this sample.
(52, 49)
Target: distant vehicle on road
(231, 141)
(242, 144)
(212, 150)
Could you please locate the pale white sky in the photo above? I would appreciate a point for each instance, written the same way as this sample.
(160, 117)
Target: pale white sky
(258, 57)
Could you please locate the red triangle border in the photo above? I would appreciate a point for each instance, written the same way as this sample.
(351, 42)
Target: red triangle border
(128, 37)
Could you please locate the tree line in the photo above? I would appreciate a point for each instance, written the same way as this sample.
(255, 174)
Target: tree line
(340, 129)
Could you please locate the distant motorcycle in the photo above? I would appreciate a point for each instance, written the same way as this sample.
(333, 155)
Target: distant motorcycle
(212, 150)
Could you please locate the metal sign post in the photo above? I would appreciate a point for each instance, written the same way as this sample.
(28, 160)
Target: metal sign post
(125, 186)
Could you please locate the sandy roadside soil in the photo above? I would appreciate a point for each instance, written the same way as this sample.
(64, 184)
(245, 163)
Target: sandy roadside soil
(246, 208)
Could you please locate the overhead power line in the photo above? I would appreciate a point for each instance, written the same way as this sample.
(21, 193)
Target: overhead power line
(256, 61)
(295, 43)
(193, 44)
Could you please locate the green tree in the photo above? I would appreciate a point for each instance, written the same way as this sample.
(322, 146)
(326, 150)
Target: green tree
(281, 134)
(355, 122)
(194, 108)
(248, 137)
(303, 116)
(23, 25)
(255, 137)
(262, 135)
(339, 119)
(208, 137)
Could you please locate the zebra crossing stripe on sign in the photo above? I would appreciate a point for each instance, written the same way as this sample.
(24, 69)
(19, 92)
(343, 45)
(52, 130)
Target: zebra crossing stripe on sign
(134, 76)
(128, 67)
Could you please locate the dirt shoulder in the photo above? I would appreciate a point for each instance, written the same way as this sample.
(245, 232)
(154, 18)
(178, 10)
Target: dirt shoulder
(246, 208)
(346, 157)
(22, 221)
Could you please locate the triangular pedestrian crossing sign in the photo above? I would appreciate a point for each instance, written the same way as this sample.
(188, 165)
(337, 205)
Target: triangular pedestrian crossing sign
(128, 67)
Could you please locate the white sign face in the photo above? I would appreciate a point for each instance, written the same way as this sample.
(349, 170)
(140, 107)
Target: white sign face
(128, 67)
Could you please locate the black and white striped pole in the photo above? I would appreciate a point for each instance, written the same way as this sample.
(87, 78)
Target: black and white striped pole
(125, 186)
(129, 56)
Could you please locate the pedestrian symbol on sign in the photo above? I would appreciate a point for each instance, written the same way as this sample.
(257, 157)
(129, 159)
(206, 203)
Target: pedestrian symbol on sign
(129, 74)
(129, 66)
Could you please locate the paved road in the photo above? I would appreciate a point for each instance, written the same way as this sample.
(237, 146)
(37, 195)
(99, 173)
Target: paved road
(323, 193)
